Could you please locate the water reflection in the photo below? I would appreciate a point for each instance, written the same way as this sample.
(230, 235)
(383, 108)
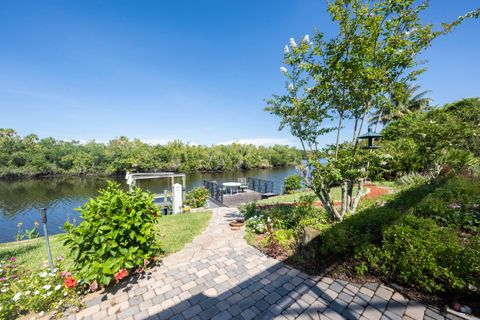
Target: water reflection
(21, 199)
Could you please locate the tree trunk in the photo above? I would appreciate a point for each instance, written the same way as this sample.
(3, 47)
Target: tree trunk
(344, 198)
(338, 135)
(358, 196)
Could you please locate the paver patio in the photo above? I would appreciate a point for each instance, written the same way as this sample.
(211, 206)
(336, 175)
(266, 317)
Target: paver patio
(219, 276)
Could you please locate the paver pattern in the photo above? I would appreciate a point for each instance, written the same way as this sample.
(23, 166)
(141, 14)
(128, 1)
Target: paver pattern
(218, 276)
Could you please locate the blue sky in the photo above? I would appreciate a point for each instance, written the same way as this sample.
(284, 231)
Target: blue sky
(198, 71)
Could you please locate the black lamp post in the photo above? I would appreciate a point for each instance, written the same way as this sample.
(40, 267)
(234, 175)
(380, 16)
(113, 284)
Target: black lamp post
(370, 135)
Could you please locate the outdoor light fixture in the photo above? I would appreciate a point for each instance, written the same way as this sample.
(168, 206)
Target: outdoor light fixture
(370, 136)
(43, 214)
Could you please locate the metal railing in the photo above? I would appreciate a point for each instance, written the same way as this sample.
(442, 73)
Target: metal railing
(260, 185)
(215, 190)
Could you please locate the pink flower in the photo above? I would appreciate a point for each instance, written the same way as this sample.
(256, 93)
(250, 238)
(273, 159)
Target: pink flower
(94, 286)
(454, 206)
(64, 274)
(13, 259)
(146, 262)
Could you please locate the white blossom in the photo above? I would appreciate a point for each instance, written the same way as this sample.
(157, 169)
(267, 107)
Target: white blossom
(28, 292)
(36, 292)
(306, 39)
(286, 50)
(283, 69)
(49, 293)
(291, 87)
(17, 296)
(58, 287)
(43, 274)
(293, 44)
(47, 287)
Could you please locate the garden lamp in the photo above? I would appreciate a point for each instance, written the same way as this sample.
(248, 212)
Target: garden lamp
(370, 135)
(43, 214)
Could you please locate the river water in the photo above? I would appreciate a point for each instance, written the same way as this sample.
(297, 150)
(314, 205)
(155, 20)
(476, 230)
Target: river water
(21, 199)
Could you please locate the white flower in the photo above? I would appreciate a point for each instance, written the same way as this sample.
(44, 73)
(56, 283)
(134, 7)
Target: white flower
(47, 287)
(49, 293)
(283, 69)
(306, 39)
(17, 296)
(36, 292)
(43, 274)
(293, 44)
(4, 290)
(286, 50)
(28, 293)
(65, 294)
(58, 287)
(291, 87)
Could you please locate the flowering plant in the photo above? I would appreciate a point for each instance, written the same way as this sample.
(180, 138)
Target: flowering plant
(117, 235)
(257, 223)
(22, 292)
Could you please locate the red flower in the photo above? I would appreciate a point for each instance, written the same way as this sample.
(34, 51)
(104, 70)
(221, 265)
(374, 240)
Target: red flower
(69, 282)
(120, 274)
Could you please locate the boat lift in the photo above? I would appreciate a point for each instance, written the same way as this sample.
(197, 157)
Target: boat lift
(177, 190)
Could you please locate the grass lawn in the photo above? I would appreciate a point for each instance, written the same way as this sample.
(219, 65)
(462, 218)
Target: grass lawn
(295, 197)
(336, 194)
(178, 230)
(175, 232)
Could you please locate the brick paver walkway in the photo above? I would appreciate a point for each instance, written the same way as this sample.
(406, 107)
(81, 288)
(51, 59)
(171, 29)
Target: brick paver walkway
(218, 276)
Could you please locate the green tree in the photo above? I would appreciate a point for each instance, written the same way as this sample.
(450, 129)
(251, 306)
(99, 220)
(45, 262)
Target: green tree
(347, 76)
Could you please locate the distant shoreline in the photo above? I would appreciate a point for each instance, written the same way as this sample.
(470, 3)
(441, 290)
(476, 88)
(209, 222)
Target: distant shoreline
(14, 176)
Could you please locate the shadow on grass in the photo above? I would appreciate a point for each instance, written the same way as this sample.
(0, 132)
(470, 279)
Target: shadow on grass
(16, 250)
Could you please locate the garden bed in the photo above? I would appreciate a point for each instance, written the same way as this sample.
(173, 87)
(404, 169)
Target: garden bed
(422, 240)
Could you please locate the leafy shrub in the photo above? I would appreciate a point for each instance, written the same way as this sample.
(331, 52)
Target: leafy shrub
(249, 210)
(23, 292)
(197, 197)
(285, 238)
(412, 179)
(456, 203)
(117, 234)
(419, 253)
(292, 183)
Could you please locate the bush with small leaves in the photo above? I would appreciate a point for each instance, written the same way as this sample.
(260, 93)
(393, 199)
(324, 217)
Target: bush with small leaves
(417, 252)
(197, 198)
(292, 183)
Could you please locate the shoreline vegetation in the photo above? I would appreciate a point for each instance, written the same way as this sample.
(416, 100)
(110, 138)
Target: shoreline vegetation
(31, 157)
